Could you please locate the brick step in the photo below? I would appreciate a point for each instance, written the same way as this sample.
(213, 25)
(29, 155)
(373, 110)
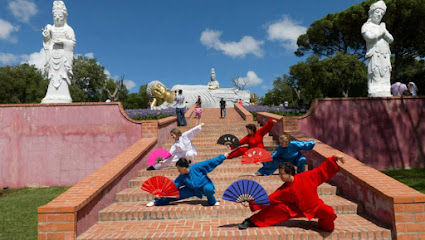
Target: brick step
(250, 168)
(218, 149)
(229, 162)
(240, 129)
(137, 195)
(212, 141)
(213, 137)
(185, 209)
(217, 179)
(348, 227)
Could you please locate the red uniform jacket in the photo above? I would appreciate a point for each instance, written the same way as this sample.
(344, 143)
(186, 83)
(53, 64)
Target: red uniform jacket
(300, 196)
(255, 140)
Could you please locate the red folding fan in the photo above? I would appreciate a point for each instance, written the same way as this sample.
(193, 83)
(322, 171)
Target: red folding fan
(255, 155)
(161, 187)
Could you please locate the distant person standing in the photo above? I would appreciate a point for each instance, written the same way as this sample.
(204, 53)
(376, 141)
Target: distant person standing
(240, 102)
(412, 89)
(222, 108)
(180, 109)
(199, 101)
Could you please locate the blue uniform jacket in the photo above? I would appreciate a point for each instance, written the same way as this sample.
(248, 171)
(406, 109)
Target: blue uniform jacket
(197, 177)
(292, 152)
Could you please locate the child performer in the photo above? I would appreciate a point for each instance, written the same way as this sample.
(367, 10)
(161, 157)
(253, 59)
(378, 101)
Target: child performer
(193, 181)
(198, 111)
(287, 151)
(253, 139)
(181, 148)
(297, 197)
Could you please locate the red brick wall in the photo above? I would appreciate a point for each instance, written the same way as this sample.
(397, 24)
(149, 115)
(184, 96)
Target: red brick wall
(384, 133)
(60, 144)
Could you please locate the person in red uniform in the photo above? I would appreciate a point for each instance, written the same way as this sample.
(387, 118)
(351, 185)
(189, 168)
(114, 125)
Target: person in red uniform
(253, 139)
(297, 197)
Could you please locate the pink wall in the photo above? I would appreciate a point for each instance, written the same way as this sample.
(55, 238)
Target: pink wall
(60, 144)
(384, 133)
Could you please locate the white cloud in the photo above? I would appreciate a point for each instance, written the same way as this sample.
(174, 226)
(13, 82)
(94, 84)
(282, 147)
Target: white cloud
(8, 58)
(286, 31)
(23, 10)
(247, 44)
(251, 79)
(129, 84)
(6, 29)
(38, 59)
(89, 55)
(107, 72)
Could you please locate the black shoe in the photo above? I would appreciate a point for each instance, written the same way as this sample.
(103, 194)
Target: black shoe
(246, 224)
(150, 168)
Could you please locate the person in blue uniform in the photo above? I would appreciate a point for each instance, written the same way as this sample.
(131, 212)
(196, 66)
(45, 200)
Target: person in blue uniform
(194, 181)
(287, 151)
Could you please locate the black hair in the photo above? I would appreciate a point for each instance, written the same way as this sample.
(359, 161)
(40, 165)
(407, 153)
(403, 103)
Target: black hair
(183, 162)
(287, 168)
(180, 91)
(252, 127)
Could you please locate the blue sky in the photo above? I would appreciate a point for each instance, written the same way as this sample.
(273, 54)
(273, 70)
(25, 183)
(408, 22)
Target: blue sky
(175, 42)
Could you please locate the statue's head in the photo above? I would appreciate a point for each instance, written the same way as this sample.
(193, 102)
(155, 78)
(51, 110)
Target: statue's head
(156, 89)
(377, 11)
(59, 13)
(212, 74)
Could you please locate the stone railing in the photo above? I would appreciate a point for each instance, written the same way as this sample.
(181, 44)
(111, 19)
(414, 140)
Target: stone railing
(245, 114)
(278, 127)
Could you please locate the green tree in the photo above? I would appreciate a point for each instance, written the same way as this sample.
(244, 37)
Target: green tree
(283, 90)
(344, 76)
(89, 80)
(137, 100)
(340, 32)
(22, 84)
(308, 77)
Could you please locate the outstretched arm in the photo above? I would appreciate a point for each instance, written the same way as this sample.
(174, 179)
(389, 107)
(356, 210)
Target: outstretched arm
(266, 128)
(325, 171)
(193, 131)
(210, 164)
(304, 145)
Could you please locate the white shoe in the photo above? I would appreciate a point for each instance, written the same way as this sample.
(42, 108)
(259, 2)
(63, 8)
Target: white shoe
(257, 174)
(150, 204)
(217, 204)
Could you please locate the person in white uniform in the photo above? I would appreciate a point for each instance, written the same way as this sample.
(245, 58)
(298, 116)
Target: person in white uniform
(181, 148)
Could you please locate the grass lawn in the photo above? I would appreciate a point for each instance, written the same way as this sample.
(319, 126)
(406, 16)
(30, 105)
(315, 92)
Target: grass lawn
(414, 178)
(18, 210)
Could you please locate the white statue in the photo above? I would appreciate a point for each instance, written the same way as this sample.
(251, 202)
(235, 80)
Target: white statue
(210, 98)
(213, 84)
(58, 43)
(378, 52)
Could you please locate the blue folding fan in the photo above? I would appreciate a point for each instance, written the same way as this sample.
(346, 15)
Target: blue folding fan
(246, 190)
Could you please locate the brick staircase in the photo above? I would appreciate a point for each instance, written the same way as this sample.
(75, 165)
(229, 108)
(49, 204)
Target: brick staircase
(129, 218)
